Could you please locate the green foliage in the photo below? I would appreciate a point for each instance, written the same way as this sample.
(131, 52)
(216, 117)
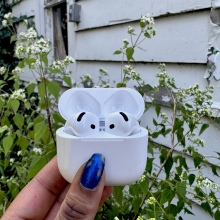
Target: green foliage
(29, 117)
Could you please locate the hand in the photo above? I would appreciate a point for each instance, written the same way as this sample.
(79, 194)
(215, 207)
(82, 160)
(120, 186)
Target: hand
(49, 196)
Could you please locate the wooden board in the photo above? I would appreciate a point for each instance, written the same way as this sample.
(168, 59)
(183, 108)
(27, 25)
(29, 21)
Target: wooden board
(182, 39)
(96, 13)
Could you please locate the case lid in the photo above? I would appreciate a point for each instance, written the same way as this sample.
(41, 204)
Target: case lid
(101, 101)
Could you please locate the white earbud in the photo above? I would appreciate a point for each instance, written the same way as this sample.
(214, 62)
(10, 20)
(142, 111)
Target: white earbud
(82, 124)
(121, 124)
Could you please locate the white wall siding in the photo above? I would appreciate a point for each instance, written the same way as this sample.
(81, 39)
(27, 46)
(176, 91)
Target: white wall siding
(96, 13)
(184, 39)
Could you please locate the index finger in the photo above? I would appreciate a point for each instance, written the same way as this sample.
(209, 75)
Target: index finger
(36, 199)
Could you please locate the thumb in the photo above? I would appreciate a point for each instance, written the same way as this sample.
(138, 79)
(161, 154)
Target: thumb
(83, 198)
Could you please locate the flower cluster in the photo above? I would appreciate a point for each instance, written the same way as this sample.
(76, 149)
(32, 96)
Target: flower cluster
(61, 64)
(151, 201)
(129, 71)
(131, 30)
(19, 95)
(142, 178)
(17, 70)
(4, 96)
(147, 24)
(37, 150)
(164, 117)
(3, 70)
(30, 35)
(40, 47)
(35, 47)
(7, 19)
(205, 182)
(68, 60)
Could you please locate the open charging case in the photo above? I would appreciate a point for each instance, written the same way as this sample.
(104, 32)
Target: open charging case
(125, 157)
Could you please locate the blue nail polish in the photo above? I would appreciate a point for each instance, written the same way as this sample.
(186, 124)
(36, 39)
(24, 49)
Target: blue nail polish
(93, 171)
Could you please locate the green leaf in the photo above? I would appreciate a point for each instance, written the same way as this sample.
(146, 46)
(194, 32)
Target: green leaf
(27, 105)
(19, 120)
(158, 110)
(167, 196)
(191, 178)
(203, 128)
(180, 136)
(181, 189)
(68, 81)
(118, 194)
(136, 203)
(1, 104)
(23, 143)
(29, 61)
(177, 124)
(129, 53)
(120, 85)
(14, 105)
(2, 196)
(149, 165)
(13, 38)
(146, 34)
(7, 143)
(206, 207)
(44, 59)
(21, 64)
(36, 165)
(54, 89)
(3, 129)
(217, 215)
(118, 52)
(168, 166)
(144, 185)
(39, 130)
(214, 169)
(30, 88)
(155, 122)
(197, 160)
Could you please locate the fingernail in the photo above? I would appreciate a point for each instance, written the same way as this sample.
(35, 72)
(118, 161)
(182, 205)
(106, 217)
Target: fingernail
(92, 172)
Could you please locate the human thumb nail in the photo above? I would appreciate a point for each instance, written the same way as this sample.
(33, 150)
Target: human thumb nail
(93, 171)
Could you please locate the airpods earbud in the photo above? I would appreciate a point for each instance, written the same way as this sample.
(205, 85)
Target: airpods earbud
(82, 124)
(121, 124)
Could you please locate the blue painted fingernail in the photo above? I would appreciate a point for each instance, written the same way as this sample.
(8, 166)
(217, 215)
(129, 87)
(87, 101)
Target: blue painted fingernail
(92, 172)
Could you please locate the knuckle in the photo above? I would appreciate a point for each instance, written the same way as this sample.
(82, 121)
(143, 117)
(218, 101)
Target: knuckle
(75, 207)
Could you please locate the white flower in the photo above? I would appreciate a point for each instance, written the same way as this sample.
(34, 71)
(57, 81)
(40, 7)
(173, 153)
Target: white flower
(2, 70)
(68, 60)
(146, 19)
(151, 201)
(37, 150)
(116, 218)
(130, 30)
(126, 42)
(25, 21)
(4, 23)
(19, 153)
(12, 160)
(18, 94)
(8, 15)
(17, 70)
(20, 50)
(142, 178)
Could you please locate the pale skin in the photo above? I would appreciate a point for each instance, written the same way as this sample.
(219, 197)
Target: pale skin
(49, 196)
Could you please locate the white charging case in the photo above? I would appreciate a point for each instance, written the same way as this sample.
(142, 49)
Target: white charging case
(125, 157)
